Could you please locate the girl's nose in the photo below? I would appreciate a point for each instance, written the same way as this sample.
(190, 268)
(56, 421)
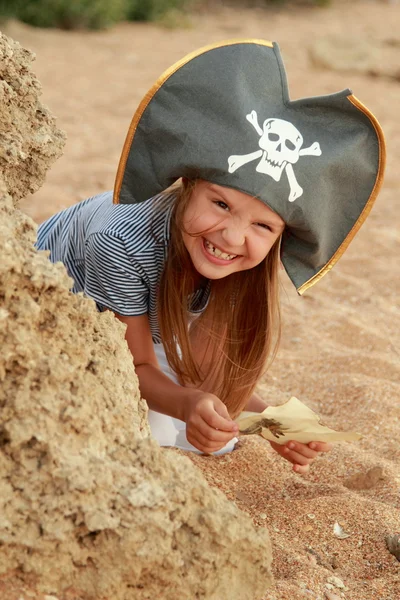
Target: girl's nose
(234, 236)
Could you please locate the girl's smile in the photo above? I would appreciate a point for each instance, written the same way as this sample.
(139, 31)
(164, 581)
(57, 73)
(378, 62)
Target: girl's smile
(217, 255)
(226, 231)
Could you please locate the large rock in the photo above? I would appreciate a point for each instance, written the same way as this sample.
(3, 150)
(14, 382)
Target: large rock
(90, 506)
(29, 139)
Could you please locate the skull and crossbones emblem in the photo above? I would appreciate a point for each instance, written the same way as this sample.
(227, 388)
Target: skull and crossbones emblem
(280, 148)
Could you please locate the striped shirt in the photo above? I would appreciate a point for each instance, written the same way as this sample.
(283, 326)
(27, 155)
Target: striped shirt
(115, 253)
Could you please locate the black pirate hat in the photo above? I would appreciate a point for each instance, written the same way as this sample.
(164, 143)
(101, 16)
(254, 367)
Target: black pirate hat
(223, 114)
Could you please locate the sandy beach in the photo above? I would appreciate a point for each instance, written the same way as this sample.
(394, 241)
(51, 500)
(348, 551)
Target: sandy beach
(340, 351)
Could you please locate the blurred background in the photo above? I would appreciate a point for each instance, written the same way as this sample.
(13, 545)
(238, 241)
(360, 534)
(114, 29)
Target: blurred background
(97, 58)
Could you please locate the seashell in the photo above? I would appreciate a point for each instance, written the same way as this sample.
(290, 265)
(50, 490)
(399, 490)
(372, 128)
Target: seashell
(340, 532)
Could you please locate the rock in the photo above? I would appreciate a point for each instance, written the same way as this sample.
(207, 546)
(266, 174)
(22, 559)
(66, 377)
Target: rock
(29, 140)
(85, 495)
(336, 582)
(393, 544)
(331, 596)
(365, 481)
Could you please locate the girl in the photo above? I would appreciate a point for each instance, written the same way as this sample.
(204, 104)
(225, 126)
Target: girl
(192, 269)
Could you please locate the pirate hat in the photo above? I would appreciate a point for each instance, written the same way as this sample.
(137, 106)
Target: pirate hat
(223, 114)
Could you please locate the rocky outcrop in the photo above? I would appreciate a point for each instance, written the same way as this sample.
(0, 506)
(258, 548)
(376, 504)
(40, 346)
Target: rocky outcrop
(90, 506)
(29, 140)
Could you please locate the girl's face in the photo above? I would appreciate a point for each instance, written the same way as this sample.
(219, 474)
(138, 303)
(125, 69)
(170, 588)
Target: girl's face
(239, 230)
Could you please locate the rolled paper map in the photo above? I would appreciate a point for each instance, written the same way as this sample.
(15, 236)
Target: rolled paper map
(291, 421)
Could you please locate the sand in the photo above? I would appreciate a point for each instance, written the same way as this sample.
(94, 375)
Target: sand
(341, 342)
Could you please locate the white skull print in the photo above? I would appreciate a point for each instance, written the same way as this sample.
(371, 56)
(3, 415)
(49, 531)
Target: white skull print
(280, 146)
(281, 142)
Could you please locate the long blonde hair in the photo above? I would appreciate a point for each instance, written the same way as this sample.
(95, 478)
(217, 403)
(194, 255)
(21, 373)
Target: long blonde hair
(241, 320)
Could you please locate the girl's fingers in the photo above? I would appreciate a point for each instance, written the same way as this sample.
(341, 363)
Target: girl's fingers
(296, 457)
(301, 455)
(302, 449)
(218, 422)
(320, 446)
(301, 469)
(221, 409)
(211, 434)
(202, 443)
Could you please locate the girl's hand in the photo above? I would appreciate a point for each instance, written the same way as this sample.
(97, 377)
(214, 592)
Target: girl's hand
(301, 455)
(208, 424)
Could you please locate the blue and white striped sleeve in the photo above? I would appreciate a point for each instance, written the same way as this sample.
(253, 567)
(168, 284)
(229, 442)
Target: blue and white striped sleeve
(112, 279)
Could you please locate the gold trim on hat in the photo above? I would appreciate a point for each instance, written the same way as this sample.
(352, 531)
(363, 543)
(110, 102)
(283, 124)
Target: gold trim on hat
(368, 206)
(147, 98)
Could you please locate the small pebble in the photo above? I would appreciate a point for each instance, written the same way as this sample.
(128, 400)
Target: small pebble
(240, 495)
(312, 559)
(335, 562)
(263, 516)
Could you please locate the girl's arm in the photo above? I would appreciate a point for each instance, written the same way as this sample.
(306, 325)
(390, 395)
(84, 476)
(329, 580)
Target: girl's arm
(208, 425)
(160, 392)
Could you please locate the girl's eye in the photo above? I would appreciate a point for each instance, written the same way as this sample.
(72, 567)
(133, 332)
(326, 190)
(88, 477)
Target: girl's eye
(221, 204)
(264, 226)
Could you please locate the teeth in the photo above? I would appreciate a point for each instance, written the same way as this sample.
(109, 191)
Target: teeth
(218, 253)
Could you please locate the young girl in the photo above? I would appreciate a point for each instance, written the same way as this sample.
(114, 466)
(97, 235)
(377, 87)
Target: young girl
(192, 269)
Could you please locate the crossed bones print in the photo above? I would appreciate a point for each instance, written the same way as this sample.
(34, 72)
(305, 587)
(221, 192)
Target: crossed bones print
(280, 148)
